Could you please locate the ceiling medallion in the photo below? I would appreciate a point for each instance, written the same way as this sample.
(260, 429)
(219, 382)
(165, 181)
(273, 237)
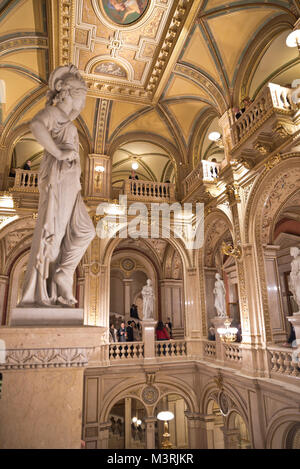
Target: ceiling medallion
(127, 264)
(223, 403)
(150, 395)
(123, 12)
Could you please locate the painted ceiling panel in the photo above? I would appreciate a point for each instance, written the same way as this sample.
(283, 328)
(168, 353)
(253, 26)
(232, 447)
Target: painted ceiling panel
(186, 114)
(17, 87)
(32, 111)
(197, 53)
(149, 122)
(225, 30)
(120, 112)
(180, 86)
(32, 60)
(28, 16)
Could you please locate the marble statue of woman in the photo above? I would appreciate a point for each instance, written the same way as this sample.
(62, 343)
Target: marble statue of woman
(64, 229)
(148, 301)
(295, 274)
(219, 292)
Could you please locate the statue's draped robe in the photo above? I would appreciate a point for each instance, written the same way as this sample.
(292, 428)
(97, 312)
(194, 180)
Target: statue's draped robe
(64, 229)
(220, 303)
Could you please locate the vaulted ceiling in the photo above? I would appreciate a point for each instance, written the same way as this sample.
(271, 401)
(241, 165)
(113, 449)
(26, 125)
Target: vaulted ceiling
(158, 72)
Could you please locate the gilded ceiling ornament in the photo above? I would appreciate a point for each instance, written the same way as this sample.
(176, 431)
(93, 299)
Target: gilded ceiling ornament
(127, 264)
(273, 161)
(230, 250)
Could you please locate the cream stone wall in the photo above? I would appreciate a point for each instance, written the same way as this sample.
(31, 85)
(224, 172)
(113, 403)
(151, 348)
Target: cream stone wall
(41, 409)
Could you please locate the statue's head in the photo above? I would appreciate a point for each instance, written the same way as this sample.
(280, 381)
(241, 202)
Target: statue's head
(149, 282)
(66, 83)
(218, 276)
(294, 251)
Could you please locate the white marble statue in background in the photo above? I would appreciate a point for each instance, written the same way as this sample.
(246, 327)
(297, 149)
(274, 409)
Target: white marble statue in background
(148, 300)
(64, 229)
(219, 292)
(295, 275)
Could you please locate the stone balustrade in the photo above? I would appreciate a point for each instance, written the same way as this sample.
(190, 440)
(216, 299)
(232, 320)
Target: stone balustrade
(284, 361)
(233, 354)
(210, 349)
(126, 351)
(148, 190)
(171, 348)
(26, 181)
(205, 171)
(272, 99)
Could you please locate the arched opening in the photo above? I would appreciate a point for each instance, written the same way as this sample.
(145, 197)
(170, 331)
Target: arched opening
(237, 434)
(214, 426)
(127, 425)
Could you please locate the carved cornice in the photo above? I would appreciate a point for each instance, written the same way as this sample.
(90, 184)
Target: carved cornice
(19, 359)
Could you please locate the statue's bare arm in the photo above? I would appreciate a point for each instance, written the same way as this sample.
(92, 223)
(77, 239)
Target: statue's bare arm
(43, 136)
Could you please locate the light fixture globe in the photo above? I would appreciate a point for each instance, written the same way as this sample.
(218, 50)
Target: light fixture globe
(134, 165)
(99, 169)
(134, 419)
(214, 136)
(165, 416)
(293, 39)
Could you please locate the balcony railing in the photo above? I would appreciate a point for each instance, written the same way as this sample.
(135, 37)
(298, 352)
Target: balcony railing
(272, 99)
(25, 181)
(170, 348)
(284, 361)
(210, 349)
(126, 351)
(233, 354)
(144, 190)
(206, 171)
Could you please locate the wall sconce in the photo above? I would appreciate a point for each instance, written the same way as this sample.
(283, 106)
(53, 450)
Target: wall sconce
(293, 39)
(99, 176)
(229, 250)
(165, 417)
(227, 334)
(216, 137)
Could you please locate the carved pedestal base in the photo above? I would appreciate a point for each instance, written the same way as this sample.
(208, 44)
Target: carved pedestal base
(46, 317)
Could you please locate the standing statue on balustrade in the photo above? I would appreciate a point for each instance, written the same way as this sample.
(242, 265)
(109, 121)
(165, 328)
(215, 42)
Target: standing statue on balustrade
(295, 275)
(219, 292)
(64, 229)
(148, 301)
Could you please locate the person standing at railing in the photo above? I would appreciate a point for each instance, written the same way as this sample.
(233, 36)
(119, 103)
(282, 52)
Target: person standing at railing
(122, 333)
(129, 330)
(27, 167)
(161, 332)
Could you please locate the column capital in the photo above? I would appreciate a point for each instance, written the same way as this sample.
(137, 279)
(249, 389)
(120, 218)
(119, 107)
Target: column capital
(98, 156)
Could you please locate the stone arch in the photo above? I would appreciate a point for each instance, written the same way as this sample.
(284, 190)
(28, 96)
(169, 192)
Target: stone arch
(256, 50)
(212, 234)
(279, 427)
(132, 388)
(267, 197)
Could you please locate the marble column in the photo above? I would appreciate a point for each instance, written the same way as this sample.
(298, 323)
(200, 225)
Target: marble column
(206, 432)
(4, 281)
(195, 428)
(231, 438)
(103, 435)
(127, 297)
(209, 275)
(127, 422)
(172, 302)
(193, 320)
(150, 432)
(277, 320)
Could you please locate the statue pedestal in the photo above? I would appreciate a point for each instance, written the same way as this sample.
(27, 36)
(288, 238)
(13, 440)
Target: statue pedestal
(46, 317)
(148, 328)
(219, 322)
